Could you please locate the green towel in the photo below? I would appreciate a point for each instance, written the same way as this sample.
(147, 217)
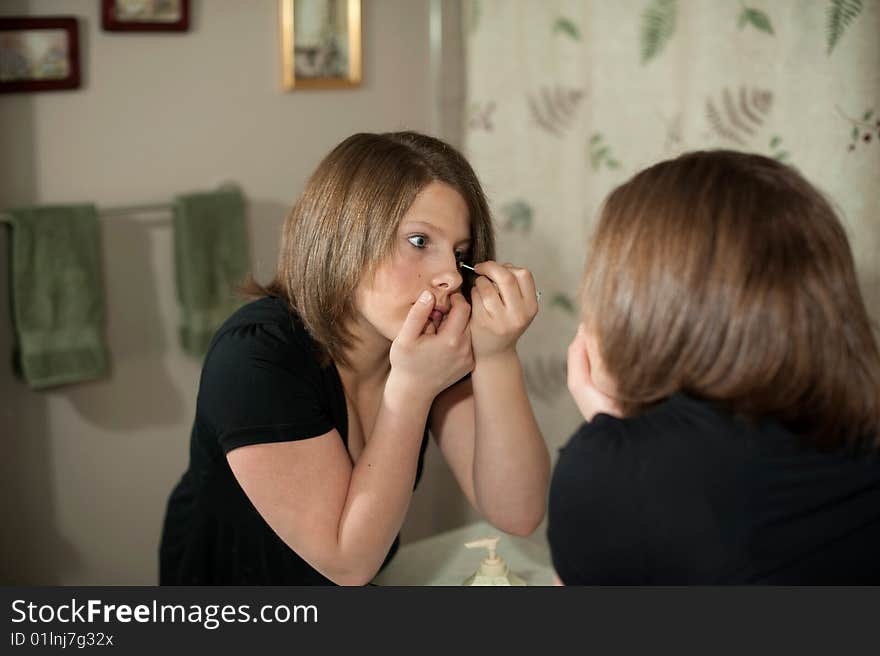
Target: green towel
(211, 260)
(57, 296)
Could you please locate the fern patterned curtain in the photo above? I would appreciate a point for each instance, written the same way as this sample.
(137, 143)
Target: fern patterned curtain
(567, 99)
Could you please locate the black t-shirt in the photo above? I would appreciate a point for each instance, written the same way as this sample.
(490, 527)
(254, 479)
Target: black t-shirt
(261, 382)
(686, 494)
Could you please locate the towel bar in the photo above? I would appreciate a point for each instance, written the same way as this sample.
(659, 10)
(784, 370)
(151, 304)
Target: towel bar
(117, 211)
(134, 209)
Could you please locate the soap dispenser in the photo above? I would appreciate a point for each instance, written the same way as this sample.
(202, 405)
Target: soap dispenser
(493, 570)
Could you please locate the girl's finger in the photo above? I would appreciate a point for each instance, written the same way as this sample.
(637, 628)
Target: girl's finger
(489, 296)
(456, 321)
(527, 288)
(419, 313)
(504, 280)
(578, 363)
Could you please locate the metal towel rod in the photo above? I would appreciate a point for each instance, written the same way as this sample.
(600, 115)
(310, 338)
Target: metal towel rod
(133, 209)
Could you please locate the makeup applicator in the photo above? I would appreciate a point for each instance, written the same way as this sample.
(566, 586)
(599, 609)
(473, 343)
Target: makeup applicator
(462, 265)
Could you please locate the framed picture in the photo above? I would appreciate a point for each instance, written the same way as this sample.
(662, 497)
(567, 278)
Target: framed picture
(145, 15)
(320, 43)
(39, 54)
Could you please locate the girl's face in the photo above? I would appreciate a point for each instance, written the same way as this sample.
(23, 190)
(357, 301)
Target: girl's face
(433, 236)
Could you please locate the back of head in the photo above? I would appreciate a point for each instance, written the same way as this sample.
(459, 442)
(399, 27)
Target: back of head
(729, 277)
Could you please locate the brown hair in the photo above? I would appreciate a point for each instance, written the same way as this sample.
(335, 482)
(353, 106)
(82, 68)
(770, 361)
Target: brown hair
(345, 221)
(727, 276)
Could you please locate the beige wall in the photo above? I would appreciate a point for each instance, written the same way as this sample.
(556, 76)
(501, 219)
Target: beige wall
(86, 469)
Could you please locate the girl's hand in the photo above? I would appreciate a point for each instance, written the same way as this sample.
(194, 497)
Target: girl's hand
(590, 401)
(504, 303)
(430, 358)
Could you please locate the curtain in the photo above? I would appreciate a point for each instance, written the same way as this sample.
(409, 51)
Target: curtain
(565, 99)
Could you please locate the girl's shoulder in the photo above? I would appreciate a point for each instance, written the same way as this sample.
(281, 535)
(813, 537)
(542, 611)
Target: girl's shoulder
(264, 331)
(675, 438)
(270, 318)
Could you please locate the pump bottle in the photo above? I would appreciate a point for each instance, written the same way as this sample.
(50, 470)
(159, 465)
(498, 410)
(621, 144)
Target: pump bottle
(492, 570)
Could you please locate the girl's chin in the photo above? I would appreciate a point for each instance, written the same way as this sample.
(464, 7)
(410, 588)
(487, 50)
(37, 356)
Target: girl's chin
(392, 330)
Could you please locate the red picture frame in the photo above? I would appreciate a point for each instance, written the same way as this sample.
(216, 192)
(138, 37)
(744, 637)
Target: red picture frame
(114, 19)
(39, 53)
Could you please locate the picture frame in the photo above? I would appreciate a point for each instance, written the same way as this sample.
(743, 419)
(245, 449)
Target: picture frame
(145, 15)
(320, 44)
(39, 53)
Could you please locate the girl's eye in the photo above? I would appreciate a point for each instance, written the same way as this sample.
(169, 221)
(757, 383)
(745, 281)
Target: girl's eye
(460, 256)
(419, 241)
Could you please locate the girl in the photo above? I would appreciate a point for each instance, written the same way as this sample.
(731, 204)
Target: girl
(316, 400)
(730, 381)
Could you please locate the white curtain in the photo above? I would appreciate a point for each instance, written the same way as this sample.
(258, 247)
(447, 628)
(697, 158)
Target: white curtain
(568, 98)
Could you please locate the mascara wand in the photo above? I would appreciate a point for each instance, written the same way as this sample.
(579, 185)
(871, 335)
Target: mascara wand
(462, 265)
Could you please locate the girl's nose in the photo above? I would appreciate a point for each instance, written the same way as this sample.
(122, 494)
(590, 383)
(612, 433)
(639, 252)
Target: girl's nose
(449, 279)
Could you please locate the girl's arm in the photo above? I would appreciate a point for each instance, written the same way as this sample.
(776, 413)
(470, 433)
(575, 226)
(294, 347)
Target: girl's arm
(342, 517)
(485, 426)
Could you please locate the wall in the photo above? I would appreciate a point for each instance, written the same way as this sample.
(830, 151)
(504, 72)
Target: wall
(86, 469)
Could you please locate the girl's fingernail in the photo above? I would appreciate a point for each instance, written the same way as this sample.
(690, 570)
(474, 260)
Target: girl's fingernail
(426, 297)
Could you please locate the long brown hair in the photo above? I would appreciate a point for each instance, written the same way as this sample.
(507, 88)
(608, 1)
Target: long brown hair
(344, 224)
(729, 277)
